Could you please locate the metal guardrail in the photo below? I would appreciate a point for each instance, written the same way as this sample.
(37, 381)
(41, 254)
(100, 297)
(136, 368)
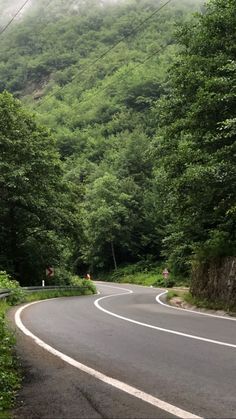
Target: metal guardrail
(53, 287)
(4, 293)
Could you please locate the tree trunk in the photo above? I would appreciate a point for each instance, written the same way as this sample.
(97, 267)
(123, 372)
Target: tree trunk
(113, 255)
(13, 244)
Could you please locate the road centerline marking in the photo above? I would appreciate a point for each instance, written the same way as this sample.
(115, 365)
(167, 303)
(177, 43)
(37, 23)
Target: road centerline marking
(150, 326)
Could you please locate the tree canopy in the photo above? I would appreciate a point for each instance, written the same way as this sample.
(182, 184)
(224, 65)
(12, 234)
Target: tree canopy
(36, 220)
(196, 140)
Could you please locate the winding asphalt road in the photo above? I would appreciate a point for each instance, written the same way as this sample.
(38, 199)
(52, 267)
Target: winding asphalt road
(143, 359)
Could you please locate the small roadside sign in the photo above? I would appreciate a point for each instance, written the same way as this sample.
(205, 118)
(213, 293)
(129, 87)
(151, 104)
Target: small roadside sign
(165, 273)
(49, 271)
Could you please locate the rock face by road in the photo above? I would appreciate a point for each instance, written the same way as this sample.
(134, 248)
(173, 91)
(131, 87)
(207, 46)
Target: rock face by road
(215, 280)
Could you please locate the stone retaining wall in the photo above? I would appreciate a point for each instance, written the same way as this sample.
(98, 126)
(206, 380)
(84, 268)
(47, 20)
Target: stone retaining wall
(215, 280)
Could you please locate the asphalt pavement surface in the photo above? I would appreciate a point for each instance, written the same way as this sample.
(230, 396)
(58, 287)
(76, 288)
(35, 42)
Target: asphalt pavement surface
(166, 362)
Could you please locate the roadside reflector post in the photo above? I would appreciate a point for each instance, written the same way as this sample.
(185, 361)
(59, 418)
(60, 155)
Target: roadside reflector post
(43, 283)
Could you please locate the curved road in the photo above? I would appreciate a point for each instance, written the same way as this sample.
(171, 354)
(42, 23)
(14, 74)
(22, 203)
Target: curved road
(145, 359)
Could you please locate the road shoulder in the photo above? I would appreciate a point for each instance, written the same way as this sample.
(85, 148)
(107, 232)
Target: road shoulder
(50, 388)
(179, 302)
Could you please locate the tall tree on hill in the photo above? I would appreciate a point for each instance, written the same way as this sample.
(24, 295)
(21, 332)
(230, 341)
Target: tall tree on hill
(36, 220)
(196, 143)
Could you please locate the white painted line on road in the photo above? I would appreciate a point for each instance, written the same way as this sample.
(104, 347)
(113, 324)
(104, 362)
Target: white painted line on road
(135, 392)
(173, 332)
(190, 311)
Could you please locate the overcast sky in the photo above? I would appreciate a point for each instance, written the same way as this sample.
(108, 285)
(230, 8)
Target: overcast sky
(9, 8)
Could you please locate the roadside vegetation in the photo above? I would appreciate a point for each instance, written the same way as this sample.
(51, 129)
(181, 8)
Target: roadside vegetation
(144, 274)
(10, 372)
(185, 296)
(204, 303)
(86, 288)
(9, 369)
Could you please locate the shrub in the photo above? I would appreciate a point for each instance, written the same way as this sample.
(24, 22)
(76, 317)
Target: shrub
(17, 294)
(9, 377)
(77, 282)
(89, 285)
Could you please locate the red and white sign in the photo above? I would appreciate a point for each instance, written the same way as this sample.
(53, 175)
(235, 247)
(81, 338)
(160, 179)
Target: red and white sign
(49, 271)
(165, 273)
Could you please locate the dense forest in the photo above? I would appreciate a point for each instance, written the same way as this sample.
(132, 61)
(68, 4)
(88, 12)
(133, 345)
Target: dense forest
(122, 147)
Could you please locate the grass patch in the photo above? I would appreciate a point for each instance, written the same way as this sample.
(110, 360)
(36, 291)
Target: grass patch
(176, 293)
(141, 278)
(9, 372)
(197, 302)
(139, 274)
(171, 294)
(203, 303)
(45, 295)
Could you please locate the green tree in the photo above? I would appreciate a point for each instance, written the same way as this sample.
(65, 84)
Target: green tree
(196, 143)
(37, 222)
(105, 219)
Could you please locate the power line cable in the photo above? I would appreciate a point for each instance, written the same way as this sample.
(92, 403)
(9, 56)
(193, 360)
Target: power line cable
(132, 32)
(14, 17)
(122, 75)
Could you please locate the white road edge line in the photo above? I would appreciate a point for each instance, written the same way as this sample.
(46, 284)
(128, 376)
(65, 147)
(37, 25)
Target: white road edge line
(190, 311)
(135, 392)
(174, 332)
(175, 308)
